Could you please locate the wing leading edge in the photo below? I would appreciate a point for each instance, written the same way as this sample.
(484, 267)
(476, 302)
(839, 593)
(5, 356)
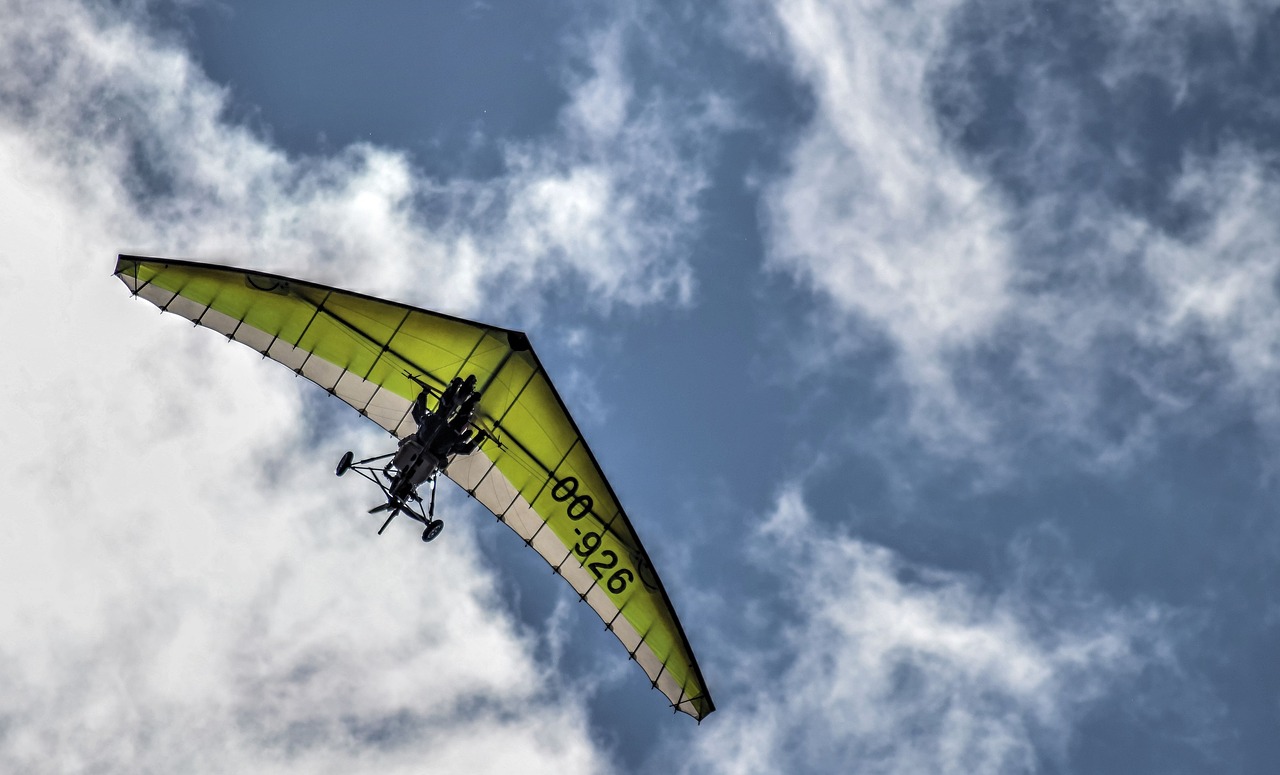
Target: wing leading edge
(536, 473)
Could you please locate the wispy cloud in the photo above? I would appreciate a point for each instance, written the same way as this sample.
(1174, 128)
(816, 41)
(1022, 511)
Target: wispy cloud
(605, 202)
(883, 666)
(1046, 270)
(615, 204)
(875, 214)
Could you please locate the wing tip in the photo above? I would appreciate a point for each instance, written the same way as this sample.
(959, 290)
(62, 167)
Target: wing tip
(518, 341)
(697, 707)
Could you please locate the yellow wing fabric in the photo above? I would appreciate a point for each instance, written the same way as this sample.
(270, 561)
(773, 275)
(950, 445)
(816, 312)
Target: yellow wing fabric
(535, 473)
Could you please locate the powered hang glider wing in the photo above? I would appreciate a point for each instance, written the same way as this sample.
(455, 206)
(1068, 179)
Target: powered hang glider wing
(534, 472)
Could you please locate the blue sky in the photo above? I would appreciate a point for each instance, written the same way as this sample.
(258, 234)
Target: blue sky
(932, 347)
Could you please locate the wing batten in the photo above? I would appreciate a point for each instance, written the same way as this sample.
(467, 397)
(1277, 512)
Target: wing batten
(386, 346)
(484, 334)
(361, 350)
(384, 349)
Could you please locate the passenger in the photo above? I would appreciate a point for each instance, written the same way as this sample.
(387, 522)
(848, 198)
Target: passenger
(419, 408)
(449, 396)
(466, 412)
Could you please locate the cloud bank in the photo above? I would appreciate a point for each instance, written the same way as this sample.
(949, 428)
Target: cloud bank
(185, 592)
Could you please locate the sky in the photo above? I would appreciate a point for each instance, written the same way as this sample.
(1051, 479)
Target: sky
(933, 347)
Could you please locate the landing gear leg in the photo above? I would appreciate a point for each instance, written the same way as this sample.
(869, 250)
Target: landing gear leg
(434, 526)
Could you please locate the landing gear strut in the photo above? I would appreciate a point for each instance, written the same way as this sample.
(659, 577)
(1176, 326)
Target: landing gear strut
(434, 526)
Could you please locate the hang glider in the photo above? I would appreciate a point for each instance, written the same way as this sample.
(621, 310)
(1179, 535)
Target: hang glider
(528, 463)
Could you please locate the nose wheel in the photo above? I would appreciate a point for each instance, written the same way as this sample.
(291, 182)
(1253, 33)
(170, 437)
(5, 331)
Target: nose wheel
(433, 529)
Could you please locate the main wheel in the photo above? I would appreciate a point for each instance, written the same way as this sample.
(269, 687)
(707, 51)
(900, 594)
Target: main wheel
(344, 464)
(433, 529)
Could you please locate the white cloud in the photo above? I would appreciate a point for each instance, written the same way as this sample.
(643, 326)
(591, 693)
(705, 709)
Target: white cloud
(1063, 317)
(187, 588)
(188, 592)
(874, 213)
(888, 667)
(1221, 282)
(1158, 25)
(604, 202)
(616, 208)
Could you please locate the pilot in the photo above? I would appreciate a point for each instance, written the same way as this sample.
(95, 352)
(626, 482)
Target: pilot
(468, 386)
(466, 392)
